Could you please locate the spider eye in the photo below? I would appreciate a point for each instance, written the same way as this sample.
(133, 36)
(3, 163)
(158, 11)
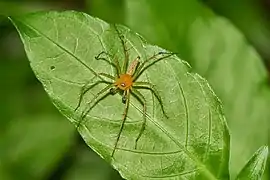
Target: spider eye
(123, 84)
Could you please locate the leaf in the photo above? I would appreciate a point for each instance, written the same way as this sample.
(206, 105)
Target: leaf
(193, 143)
(221, 54)
(254, 169)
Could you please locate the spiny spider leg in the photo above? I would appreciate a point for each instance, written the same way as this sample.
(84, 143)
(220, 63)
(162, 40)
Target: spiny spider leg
(143, 64)
(151, 87)
(123, 122)
(142, 100)
(142, 67)
(107, 76)
(94, 101)
(85, 88)
(115, 64)
(87, 110)
(114, 90)
(121, 37)
(124, 97)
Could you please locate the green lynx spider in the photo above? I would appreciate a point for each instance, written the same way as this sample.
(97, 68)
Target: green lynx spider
(124, 83)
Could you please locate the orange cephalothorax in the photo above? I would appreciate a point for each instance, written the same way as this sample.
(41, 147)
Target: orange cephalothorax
(124, 82)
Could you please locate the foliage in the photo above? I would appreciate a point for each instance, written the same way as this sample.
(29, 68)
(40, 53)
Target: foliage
(191, 143)
(221, 54)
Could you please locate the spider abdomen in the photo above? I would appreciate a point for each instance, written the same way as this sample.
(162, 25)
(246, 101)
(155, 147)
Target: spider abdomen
(124, 82)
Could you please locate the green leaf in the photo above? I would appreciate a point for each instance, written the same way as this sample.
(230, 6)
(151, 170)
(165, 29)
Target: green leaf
(221, 54)
(254, 169)
(192, 143)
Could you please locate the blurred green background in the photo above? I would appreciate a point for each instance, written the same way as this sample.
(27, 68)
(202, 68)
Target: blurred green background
(226, 41)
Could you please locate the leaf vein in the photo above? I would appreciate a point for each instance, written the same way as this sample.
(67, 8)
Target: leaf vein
(64, 49)
(184, 102)
(173, 175)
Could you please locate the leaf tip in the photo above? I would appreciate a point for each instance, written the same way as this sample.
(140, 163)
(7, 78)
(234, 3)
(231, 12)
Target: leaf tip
(264, 151)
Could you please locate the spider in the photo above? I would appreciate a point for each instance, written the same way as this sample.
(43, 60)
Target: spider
(124, 83)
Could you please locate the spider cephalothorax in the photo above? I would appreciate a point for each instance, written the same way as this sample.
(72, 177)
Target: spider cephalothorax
(125, 82)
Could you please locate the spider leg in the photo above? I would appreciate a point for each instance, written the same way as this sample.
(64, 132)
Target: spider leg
(127, 94)
(142, 67)
(107, 76)
(88, 86)
(142, 100)
(94, 101)
(157, 54)
(151, 87)
(121, 37)
(114, 90)
(115, 64)
(124, 97)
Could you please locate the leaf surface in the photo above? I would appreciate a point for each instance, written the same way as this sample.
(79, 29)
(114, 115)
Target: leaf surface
(254, 169)
(220, 53)
(192, 143)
